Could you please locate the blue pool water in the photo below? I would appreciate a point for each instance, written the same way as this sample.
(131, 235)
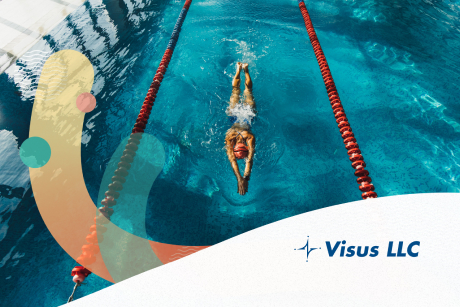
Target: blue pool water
(395, 64)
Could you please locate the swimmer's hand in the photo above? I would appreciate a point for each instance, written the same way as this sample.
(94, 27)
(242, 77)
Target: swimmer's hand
(242, 186)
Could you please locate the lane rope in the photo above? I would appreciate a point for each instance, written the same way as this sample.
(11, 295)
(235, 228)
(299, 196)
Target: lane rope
(90, 250)
(349, 140)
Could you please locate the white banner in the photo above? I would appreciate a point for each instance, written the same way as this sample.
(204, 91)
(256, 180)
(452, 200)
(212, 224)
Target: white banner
(408, 256)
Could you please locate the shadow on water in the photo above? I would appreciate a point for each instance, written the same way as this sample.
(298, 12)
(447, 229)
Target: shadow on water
(178, 216)
(14, 111)
(10, 192)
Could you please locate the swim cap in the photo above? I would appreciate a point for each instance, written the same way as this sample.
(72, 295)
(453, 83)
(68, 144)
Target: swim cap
(241, 151)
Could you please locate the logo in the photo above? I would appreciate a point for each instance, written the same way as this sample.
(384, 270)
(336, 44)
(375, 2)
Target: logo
(309, 250)
(340, 249)
(363, 251)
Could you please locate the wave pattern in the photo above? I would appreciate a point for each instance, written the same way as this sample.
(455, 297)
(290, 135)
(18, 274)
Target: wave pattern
(27, 70)
(183, 252)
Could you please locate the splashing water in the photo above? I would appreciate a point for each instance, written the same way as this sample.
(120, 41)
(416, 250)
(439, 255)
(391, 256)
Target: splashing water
(243, 113)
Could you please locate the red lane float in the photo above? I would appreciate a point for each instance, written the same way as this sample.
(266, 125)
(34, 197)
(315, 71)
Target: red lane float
(166, 251)
(79, 274)
(349, 139)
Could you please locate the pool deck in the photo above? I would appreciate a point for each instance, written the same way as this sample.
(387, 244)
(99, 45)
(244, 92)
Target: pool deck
(24, 22)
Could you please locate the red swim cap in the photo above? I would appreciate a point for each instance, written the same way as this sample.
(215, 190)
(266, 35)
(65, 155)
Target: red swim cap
(241, 151)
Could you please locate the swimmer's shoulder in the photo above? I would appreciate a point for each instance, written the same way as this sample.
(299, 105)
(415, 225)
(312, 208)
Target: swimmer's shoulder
(231, 134)
(250, 137)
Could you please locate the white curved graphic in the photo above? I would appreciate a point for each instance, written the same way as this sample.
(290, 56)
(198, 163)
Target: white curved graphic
(265, 267)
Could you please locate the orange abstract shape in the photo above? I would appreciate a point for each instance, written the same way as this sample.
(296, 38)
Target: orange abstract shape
(59, 188)
(169, 252)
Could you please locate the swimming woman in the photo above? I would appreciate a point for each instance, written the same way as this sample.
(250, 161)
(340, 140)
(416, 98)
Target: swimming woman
(239, 140)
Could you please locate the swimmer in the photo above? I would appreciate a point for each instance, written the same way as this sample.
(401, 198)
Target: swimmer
(239, 140)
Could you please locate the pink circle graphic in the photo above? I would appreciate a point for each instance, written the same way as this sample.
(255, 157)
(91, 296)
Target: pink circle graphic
(86, 102)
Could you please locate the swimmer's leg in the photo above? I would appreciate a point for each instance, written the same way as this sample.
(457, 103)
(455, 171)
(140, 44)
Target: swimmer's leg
(236, 87)
(248, 88)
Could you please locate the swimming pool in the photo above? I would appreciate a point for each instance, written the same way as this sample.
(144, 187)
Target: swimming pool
(395, 66)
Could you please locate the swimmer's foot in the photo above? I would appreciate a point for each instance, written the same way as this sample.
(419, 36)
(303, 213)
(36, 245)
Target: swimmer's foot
(245, 67)
(238, 67)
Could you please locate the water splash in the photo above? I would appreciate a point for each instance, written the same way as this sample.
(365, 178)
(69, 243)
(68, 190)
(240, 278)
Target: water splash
(243, 113)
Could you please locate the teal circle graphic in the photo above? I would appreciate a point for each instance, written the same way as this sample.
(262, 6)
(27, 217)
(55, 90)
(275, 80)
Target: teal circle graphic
(35, 152)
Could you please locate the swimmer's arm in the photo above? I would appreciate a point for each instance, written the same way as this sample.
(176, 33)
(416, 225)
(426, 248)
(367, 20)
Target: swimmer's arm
(252, 144)
(232, 159)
